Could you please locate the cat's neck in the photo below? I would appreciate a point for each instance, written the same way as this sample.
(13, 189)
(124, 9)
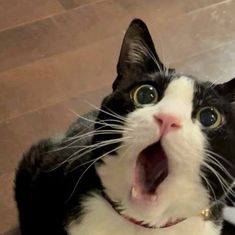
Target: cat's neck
(101, 219)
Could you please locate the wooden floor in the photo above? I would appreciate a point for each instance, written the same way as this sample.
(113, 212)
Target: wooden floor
(55, 55)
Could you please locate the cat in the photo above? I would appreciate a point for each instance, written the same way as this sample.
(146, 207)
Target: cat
(157, 158)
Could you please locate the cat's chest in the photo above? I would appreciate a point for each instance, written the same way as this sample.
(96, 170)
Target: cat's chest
(100, 219)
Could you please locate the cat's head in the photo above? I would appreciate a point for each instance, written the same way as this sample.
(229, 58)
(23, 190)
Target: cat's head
(168, 139)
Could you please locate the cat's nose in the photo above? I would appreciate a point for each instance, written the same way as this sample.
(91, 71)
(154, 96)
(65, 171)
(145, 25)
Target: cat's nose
(167, 122)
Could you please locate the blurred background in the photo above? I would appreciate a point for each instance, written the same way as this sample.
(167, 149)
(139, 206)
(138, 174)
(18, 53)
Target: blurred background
(57, 54)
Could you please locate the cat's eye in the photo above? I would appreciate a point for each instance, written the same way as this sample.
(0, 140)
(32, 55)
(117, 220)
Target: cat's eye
(209, 117)
(144, 95)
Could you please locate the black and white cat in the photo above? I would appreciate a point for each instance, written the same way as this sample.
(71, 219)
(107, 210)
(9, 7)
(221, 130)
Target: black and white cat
(156, 159)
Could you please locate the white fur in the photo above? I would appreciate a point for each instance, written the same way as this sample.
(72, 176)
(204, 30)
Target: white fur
(101, 219)
(229, 214)
(180, 195)
(184, 149)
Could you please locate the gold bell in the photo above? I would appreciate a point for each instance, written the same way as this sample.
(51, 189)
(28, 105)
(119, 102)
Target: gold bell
(206, 214)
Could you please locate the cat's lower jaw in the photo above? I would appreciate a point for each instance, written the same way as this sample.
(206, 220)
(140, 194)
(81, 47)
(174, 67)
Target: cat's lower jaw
(100, 219)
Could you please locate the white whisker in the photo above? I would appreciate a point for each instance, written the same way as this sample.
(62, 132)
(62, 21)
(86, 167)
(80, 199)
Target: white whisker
(86, 135)
(96, 146)
(89, 148)
(214, 161)
(221, 180)
(219, 156)
(209, 185)
(150, 53)
(92, 133)
(97, 122)
(96, 160)
(111, 113)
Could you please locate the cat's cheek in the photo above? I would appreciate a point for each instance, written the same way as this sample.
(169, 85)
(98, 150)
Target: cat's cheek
(185, 149)
(116, 174)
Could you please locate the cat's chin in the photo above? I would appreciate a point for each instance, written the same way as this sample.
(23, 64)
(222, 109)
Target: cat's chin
(150, 171)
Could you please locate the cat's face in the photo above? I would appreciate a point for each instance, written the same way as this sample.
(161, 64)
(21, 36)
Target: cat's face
(173, 137)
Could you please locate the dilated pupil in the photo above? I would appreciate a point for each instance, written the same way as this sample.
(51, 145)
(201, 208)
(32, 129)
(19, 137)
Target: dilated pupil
(146, 95)
(208, 117)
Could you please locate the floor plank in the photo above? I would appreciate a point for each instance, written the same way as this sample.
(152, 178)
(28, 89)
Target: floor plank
(69, 4)
(19, 133)
(14, 12)
(55, 79)
(27, 88)
(84, 26)
(216, 65)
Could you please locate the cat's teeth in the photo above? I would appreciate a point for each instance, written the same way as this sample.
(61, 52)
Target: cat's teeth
(135, 193)
(138, 195)
(153, 198)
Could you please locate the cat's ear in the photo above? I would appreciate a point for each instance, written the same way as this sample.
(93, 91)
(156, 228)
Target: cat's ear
(138, 53)
(227, 90)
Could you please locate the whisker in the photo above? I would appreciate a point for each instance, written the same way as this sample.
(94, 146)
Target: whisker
(226, 187)
(219, 156)
(96, 146)
(92, 133)
(84, 131)
(216, 82)
(101, 122)
(165, 67)
(96, 160)
(86, 135)
(221, 180)
(88, 148)
(210, 187)
(214, 161)
(111, 113)
(111, 141)
(87, 162)
(150, 53)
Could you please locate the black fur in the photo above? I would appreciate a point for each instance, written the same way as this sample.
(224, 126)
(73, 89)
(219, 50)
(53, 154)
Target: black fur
(46, 190)
(221, 140)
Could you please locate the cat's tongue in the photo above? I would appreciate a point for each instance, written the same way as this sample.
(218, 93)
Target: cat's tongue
(151, 170)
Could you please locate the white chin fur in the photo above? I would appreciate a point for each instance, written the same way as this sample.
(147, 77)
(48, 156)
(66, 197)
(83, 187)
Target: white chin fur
(181, 194)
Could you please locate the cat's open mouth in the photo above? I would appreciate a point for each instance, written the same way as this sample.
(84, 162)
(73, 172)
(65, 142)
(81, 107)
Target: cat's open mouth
(150, 171)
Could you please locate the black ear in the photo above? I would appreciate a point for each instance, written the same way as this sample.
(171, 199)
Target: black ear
(138, 53)
(227, 90)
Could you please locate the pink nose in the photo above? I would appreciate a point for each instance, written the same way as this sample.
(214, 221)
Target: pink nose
(167, 122)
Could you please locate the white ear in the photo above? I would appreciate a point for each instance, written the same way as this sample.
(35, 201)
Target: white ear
(229, 214)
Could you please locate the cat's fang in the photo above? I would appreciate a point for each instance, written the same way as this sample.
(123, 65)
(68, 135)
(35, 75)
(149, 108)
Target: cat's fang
(135, 193)
(138, 195)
